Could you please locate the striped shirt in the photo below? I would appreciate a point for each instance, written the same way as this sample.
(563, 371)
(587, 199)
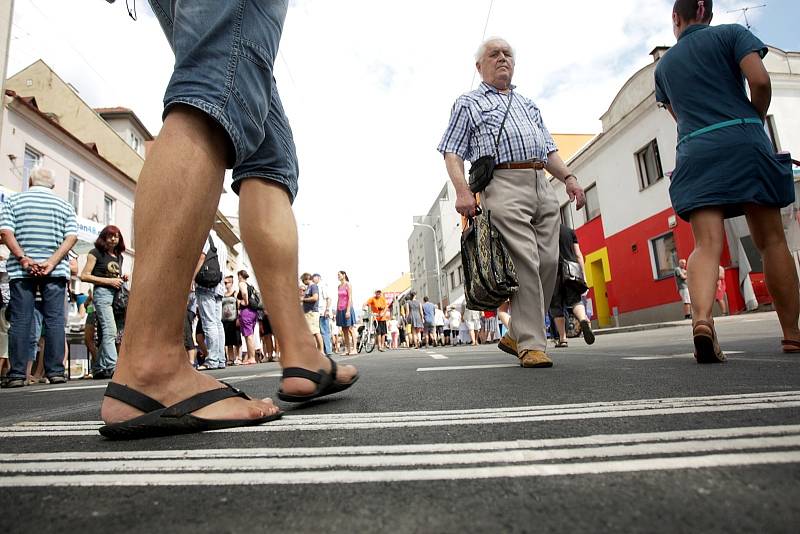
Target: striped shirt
(41, 222)
(475, 122)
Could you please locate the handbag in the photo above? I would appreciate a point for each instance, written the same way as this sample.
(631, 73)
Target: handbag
(489, 275)
(572, 275)
(481, 170)
(120, 303)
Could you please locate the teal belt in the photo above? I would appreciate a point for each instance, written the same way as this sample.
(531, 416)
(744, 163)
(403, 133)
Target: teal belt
(720, 125)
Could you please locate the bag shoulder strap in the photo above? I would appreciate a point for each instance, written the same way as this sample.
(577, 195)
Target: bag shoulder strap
(212, 250)
(502, 124)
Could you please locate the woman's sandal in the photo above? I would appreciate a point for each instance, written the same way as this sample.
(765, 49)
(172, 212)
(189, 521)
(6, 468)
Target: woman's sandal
(326, 382)
(706, 347)
(790, 346)
(159, 420)
(562, 344)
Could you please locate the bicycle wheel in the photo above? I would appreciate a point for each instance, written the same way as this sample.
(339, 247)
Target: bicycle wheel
(369, 342)
(360, 342)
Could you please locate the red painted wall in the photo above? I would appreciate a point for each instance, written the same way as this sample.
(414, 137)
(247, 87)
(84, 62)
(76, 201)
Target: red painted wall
(632, 286)
(632, 272)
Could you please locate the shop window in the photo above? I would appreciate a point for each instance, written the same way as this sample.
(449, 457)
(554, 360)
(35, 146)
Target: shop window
(665, 256)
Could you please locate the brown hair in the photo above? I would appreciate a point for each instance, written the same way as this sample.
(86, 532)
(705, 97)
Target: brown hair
(701, 10)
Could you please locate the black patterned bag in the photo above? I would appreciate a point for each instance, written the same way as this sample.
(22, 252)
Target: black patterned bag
(490, 277)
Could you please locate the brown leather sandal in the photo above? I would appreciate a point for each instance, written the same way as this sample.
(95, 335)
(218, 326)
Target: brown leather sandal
(706, 347)
(790, 346)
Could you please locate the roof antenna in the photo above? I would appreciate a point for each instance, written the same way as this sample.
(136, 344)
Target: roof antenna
(744, 11)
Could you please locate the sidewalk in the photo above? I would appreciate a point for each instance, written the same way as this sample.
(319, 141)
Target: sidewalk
(683, 322)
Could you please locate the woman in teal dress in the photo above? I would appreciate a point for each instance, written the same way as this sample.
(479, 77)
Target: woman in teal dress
(725, 164)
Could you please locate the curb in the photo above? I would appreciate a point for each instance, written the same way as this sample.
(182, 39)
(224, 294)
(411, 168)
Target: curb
(639, 328)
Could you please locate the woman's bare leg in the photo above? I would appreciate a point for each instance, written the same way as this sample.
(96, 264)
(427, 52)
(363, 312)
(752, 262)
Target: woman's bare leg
(703, 268)
(780, 274)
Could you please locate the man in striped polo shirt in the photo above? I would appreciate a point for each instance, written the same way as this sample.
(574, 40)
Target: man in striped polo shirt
(39, 229)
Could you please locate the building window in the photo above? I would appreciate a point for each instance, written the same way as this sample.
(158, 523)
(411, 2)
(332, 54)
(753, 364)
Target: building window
(460, 275)
(136, 143)
(769, 126)
(665, 256)
(453, 280)
(108, 210)
(31, 161)
(592, 208)
(648, 163)
(566, 215)
(75, 192)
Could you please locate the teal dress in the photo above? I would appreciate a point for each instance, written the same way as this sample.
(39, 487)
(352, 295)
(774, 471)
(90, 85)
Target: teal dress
(724, 157)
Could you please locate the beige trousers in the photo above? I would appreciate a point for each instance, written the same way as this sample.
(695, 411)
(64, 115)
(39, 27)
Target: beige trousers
(525, 210)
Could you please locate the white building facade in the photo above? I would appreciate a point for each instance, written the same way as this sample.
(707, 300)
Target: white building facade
(629, 233)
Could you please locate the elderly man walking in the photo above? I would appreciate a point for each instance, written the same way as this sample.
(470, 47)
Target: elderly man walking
(39, 229)
(495, 120)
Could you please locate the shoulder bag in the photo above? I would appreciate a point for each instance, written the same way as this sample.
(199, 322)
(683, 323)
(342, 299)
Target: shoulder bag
(480, 172)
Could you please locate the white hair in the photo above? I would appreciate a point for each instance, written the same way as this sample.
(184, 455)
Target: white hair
(485, 44)
(43, 177)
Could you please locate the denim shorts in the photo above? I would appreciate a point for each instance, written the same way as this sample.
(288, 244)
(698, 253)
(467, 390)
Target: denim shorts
(225, 52)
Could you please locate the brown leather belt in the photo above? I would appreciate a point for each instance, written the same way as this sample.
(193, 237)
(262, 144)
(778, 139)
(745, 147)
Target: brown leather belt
(515, 165)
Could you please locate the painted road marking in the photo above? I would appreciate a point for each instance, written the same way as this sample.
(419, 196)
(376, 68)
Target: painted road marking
(674, 356)
(691, 449)
(65, 388)
(438, 356)
(422, 448)
(467, 367)
(512, 415)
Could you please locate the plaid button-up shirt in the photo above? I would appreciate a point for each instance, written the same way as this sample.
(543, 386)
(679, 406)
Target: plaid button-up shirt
(475, 122)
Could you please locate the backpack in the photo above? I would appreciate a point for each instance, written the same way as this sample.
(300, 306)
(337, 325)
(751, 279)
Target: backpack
(210, 274)
(254, 299)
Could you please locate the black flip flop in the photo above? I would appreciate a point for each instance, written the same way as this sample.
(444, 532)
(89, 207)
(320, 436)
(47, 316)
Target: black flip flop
(159, 420)
(326, 382)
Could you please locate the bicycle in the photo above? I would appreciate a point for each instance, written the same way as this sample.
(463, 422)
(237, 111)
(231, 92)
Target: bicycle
(367, 337)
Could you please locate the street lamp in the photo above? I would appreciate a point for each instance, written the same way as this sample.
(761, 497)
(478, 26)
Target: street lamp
(436, 251)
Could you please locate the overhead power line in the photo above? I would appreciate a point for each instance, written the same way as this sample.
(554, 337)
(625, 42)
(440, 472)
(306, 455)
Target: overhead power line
(483, 36)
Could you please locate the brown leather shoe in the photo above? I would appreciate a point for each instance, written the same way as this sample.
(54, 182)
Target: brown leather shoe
(508, 345)
(534, 358)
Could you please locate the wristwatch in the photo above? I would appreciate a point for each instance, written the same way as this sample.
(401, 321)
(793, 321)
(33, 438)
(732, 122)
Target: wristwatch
(567, 177)
(20, 258)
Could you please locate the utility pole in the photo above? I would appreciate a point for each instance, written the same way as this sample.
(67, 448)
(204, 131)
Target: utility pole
(6, 15)
(744, 11)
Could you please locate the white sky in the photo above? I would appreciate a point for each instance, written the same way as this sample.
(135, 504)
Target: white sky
(368, 86)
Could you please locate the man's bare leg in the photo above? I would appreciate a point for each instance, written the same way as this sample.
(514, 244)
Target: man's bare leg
(269, 233)
(176, 200)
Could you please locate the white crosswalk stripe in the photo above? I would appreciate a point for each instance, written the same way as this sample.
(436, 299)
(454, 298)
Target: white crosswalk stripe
(479, 416)
(691, 449)
(595, 454)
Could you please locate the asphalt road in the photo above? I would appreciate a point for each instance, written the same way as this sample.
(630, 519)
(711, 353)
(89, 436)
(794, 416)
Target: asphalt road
(627, 435)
